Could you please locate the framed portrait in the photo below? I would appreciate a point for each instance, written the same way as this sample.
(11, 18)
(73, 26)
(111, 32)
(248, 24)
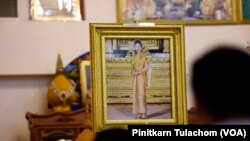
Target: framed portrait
(85, 79)
(59, 10)
(78, 72)
(244, 11)
(178, 11)
(138, 75)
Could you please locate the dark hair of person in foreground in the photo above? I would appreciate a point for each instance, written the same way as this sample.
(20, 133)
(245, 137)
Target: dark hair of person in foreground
(221, 85)
(114, 134)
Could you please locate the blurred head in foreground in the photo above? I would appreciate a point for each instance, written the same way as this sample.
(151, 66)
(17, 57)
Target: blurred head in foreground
(221, 84)
(115, 134)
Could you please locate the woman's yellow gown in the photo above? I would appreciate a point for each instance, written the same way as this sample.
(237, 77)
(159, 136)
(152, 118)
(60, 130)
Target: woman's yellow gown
(139, 85)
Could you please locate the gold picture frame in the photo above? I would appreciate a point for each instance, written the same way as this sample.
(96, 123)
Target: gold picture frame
(112, 81)
(244, 11)
(191, 12)
(60, 10)
(85, 79)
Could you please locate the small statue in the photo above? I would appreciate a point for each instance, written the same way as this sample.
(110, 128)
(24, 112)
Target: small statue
(61, 93)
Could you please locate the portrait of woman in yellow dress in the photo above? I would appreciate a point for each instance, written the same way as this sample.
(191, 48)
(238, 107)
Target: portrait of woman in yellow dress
(140, 66)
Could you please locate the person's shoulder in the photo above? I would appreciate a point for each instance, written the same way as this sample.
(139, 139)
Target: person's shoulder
(234, 121)
(133, 57)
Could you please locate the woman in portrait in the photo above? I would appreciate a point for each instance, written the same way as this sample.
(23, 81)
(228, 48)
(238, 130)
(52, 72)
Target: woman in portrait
(139, 70)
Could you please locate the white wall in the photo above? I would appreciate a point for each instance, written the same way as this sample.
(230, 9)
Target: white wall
(18, 95)
(31, 47)
(28, 51)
